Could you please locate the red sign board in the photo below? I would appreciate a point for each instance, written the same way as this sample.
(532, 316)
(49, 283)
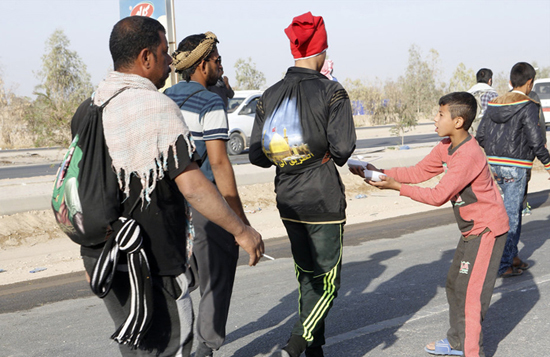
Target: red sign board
(143, 9)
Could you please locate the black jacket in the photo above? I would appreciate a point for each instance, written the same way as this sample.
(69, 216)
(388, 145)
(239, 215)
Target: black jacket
(510, 129)
(304, 125)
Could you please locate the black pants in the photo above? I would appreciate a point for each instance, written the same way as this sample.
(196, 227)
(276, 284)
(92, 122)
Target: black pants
(171, 331)
(470, 283)
(215, 256)
(317, 252)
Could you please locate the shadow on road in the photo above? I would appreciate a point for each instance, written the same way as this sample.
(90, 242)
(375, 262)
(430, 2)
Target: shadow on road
(515, 303)
(356, 307)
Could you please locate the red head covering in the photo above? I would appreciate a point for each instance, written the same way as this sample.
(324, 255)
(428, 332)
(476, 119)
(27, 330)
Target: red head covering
(307, 35)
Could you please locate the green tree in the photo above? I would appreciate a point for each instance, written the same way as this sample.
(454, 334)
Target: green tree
(462, 80)
(65, 83)
(542, 72)
(369, 96)
(501, 82)
(14, 131)
(420, 85)
(247, 76)
(397, 109)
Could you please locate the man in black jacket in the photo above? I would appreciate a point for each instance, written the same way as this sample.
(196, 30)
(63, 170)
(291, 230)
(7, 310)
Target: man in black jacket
(511, 136)
(304, 126)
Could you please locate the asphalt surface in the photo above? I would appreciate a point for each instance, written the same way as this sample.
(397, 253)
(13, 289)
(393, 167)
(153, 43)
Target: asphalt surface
(11, 172)
(391, 303)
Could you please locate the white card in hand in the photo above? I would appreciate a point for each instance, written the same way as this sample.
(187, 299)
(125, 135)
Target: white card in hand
(372, 175)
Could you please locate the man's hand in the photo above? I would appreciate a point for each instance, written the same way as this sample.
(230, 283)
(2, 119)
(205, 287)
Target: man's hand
(251, 241)
(206, 199)
(358, 170)
(387, 183)
(226, 81)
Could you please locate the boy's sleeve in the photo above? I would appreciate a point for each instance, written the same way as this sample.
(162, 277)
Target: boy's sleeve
(534, 135)
(428, 167)
(465, 168)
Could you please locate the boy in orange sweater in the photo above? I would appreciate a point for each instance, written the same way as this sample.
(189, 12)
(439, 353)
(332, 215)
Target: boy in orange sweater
(479, 212)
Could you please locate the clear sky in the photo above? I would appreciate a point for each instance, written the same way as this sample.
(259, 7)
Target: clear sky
(368, 39)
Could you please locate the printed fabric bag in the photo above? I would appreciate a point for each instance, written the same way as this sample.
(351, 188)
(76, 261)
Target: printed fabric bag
(86, 196)
(86, 204)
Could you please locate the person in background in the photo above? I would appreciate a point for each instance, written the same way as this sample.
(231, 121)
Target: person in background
(511, 136)
(484, 93)
(222, 88)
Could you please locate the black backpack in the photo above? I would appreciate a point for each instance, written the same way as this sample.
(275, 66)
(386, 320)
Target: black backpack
(86, 196)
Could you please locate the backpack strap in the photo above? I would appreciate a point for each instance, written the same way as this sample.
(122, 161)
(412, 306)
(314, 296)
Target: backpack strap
(108, 100)
(203, 157)
(190, 95)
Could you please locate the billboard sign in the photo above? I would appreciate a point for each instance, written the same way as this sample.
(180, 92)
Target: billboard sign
(161, 10)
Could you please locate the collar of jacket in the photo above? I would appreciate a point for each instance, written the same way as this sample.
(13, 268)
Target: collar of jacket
(513, 97)
(305, 71)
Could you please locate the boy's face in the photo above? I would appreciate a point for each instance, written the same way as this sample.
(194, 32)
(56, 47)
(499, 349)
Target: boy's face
(444, 124)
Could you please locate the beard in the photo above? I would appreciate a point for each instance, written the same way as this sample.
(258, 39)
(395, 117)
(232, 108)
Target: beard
(212, 78)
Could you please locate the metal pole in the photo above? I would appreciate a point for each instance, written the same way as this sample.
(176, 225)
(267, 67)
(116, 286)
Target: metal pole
(171, 19)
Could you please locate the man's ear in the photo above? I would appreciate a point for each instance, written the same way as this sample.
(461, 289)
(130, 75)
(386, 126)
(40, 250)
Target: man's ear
(203, 66)
(144, 59)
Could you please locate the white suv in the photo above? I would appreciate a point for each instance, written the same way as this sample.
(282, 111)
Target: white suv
(240, 114)
(542, 88)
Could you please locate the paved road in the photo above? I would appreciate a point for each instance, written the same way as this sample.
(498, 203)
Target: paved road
(391, 302)
(28, 171)
(51, 169)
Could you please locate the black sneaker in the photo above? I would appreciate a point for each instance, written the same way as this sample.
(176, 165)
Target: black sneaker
(280, 353)
(314, 352)
(203, 351)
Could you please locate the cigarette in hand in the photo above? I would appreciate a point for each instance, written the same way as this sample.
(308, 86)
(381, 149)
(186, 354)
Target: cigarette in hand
(268, 257)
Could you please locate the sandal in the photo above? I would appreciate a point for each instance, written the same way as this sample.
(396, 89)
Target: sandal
(521, 265)
(443, 348)
(514, 271)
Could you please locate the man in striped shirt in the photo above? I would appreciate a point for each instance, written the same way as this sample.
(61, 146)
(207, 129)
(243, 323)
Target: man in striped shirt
(215, 252)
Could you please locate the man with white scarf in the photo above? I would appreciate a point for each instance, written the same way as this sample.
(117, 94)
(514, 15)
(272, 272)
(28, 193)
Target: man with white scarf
(148, 141)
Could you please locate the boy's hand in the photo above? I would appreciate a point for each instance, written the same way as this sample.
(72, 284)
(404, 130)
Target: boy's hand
(386, 183)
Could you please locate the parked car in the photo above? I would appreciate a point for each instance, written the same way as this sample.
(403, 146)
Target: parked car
(542, 88)
(241, 110)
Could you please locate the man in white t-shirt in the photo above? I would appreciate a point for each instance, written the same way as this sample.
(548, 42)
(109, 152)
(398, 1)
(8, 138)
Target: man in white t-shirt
(484, 93)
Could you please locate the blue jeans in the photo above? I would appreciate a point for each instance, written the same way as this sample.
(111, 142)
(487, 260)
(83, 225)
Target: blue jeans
(512, 181)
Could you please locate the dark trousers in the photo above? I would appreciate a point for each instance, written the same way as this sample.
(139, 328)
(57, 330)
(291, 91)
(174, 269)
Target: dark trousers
(216, 254)
(317, 252)
(470, 283)
(171, 331)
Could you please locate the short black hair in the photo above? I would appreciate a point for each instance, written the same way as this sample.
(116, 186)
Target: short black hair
(484, 75)
(461, 104)
(189, 44)
(521, 73)
(130, 36)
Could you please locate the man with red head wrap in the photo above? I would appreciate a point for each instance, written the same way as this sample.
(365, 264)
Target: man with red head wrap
(304, 126)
